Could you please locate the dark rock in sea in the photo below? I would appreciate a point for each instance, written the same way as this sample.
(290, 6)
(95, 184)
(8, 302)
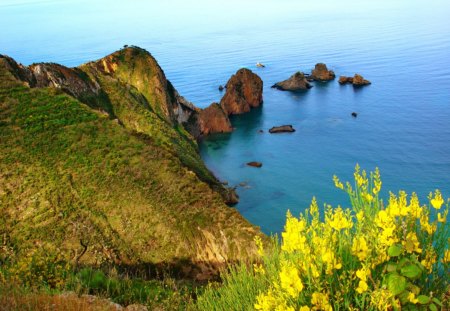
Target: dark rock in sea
(282, 129)
(357, 80)
(231, 197)
(254, 164)
(244, 91)
(221, 88)
(354, 114)
(260, 131)
(297, 82)
(321, 73)
(213, 120)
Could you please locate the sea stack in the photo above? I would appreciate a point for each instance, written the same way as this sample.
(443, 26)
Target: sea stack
(321, 73)
(243, 92)
(297, 82)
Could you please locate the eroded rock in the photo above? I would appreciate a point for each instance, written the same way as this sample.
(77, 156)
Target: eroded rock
(244, 91)
(321, 73)
(282, 129)
(297, 82)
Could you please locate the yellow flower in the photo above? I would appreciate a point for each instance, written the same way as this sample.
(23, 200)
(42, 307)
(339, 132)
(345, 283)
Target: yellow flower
(304, 308)
(290, 280)
(293, 238)
(359, 248)
(437, 201)
(360, 216)
(362, 287)
(329, 258)
(337, 183)
(429, 260)
(446, 258)
(412, 298)
(258, 268)
(442, 218)
(321, 302)
(266, 302)
(368, 197)
(259, 245)
(411, 243)
(340, 221)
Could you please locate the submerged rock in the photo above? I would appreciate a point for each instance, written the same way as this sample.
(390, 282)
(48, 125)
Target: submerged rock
(282, 129)
(254, 164)
(321, 73)
(213, 120)
(221, 88)
(297, 82)
(357, 80)
(244, 91)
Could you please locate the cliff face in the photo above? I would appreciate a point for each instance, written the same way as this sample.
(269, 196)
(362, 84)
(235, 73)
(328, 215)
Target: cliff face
(99, 156)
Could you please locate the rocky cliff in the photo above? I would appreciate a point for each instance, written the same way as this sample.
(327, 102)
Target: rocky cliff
(97, 162)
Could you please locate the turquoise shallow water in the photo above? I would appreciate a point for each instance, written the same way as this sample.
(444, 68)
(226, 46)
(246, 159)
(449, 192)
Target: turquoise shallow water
(403, 47)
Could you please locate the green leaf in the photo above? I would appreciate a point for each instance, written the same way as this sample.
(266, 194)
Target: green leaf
(437, 301)
(423, 300)
(391, 267)
(433, 307)
(411, 271)
(396, 283)
(395, 250)
(413, 288)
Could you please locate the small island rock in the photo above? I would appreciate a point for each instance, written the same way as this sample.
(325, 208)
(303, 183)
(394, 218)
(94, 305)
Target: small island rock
(297, 82)
(282, 129)
(244, 91)
(254, 164)
(221, 88)
(354, 114)
(321, 73)
(357, 80)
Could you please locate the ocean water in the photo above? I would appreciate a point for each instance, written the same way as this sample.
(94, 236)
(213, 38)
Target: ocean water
(403, 47)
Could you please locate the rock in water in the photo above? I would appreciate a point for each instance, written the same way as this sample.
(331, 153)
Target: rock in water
(357, 80)
(244, 91)
(221, 88)
(321, 73)
(354, 114)
(213, 120)
(254, 164)
(282, 129)
(297, 82)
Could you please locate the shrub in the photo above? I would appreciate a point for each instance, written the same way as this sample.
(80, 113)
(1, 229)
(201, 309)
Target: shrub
(369, 257)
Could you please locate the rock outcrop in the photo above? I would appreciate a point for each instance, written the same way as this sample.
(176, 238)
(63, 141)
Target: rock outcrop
(244, 91)
(254, 164)
(213, 120)
(297, 82)
(357, 80)
(321, 73)
(282, 129)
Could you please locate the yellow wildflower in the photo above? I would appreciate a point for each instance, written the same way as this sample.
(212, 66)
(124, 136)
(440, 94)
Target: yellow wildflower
(258, 268)
(368, 197)
(339, 220)
(360, 216)
(412, 298)
(290, 280)
(446, 258)
(429, 260)
(437, 201)
(259, 245)
(442, 218)
(304, 308)
(330, 259)
(266, 302)
(381, 299)
(337, 182)
(411, 243)
(362, 287)
(321, 302)
(293, 237)
(359, 248)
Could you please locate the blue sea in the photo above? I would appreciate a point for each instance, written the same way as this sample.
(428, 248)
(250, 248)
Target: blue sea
(403, 47)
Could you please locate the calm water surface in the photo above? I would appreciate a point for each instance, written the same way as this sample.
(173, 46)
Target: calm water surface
(403, 47)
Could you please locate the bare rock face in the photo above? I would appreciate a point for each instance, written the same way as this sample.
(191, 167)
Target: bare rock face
(297, 82)
(321, 73)
(213, 120)
(244, 91)
(357, 80)
(282, 129)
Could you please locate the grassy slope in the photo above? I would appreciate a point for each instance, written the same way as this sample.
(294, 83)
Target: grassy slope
(70, 175)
